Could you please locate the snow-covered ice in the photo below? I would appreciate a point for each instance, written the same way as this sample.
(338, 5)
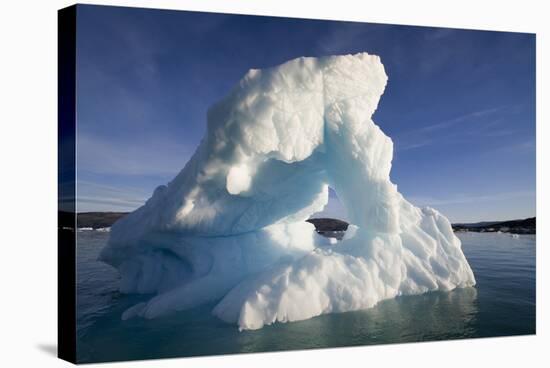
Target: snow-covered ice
(230, 227)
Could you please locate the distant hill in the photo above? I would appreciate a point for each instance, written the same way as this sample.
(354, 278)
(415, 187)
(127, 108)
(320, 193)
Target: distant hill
(95, 220)
(98, 220)
(328, 224)
(476, 224)
(526, 226)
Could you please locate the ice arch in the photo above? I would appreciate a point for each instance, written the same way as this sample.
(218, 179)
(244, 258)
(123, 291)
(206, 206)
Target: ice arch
(230, 227)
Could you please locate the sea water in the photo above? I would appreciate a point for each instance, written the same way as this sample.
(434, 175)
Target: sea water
(502, 303)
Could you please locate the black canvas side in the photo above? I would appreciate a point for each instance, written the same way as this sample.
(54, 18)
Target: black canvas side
(66, 245)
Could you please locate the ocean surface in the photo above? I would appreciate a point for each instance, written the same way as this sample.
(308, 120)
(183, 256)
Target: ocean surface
(502, 303)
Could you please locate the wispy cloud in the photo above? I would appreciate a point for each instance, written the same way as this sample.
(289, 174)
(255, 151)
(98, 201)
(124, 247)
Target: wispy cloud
(460, 119)
(92, 196)
(465, 198)
(126, 157)
(87, 204)
(527, 146)
(404, 146)
(443, 131)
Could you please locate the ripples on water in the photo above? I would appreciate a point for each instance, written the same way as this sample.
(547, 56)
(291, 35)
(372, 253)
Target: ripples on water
(502, 303)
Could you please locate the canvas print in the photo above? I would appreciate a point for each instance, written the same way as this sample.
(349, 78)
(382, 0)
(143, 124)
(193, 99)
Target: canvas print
(243, 184)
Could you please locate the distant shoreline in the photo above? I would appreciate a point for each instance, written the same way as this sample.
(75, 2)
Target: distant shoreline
(525, 226)
(104, 220)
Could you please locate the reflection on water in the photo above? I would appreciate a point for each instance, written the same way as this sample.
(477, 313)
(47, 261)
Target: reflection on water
(499, 305)
(404, 319)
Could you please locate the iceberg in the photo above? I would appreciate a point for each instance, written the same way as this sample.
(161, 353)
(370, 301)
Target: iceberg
(230, 228)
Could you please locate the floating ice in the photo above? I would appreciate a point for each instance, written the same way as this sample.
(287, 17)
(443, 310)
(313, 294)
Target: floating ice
(230, 228)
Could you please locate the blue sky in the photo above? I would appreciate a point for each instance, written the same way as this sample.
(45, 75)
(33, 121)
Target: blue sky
(459, 104)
